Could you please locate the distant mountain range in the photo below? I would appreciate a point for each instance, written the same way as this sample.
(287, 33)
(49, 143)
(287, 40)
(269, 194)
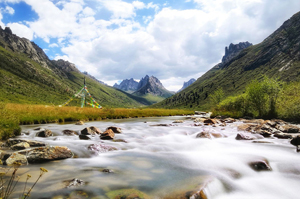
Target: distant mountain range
(128, 85)
(278, 56)
(148, 87)
(27, 75)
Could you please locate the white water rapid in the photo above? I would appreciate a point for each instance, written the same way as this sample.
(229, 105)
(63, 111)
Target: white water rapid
(160, 160)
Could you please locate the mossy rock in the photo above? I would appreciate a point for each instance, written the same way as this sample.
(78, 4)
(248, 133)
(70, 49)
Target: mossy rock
(127, 194)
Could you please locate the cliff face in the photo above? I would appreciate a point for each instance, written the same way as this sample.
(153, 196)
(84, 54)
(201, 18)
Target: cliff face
(127, 85)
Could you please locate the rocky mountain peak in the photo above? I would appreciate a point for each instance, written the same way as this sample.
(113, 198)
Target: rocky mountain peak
(127, 85)
(186, 84)
(152, 85)
(233, 50)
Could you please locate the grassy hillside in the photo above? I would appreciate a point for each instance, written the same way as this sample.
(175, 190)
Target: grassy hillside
(25, 81)
(276, 57)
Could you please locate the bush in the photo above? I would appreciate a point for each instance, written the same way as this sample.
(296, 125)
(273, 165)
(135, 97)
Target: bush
(259, 100)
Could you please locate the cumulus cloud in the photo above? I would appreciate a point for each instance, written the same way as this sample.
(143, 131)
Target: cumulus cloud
(172, 44)
(9, 10)
(21, 30)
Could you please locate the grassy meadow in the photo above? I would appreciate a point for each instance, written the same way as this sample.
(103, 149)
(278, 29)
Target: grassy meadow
(13, 115)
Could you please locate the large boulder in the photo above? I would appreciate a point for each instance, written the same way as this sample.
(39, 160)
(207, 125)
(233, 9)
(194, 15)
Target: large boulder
(49, 153)
(107, 135)
(44, 133)
(91, 131)
(16, 158)
(115, 129)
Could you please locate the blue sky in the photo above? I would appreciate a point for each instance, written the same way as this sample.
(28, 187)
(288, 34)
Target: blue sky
(118, 39)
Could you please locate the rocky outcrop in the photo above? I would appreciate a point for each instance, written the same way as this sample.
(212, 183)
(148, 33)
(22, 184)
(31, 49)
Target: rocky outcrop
(10, 41)
(65, 65)
(20, 146)
(186, 84)
(233, 50)
(129, 85)
(152, 85)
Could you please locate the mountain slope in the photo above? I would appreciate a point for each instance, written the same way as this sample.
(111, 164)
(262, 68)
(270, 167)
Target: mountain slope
(277, 56)
(28, 76)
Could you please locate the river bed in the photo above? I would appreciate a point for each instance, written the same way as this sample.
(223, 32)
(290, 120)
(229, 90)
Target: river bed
(162, 161)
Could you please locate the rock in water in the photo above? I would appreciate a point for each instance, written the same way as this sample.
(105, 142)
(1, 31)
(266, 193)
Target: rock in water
(115, 129)
(20, 146)
(260, 165)
(107, 135)
(49, 153)
(91, 131)
(296, 142)
(45, 133)
(16, 157)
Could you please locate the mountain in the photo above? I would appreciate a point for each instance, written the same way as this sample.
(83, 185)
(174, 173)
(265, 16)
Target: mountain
(27, 75)
(152, 89)
(186, 84)
(128, 85)
(278, 56)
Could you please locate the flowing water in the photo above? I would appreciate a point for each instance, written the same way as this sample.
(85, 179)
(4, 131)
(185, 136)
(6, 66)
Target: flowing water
(161, 161)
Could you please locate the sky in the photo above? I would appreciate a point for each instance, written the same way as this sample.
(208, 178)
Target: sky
(173, 40)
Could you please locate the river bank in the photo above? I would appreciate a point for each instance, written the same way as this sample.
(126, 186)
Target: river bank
(170, 157)
(13, 115)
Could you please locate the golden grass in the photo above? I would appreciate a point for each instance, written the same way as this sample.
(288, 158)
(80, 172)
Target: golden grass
(29, 114)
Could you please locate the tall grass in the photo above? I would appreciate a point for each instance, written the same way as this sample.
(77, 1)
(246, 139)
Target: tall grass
(11, 115)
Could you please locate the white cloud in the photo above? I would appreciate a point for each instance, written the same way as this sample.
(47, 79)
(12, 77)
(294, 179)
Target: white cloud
(21, 30)
(88, 11)
(172, 43)
(9, 10)
(119, 9)
(138, 5)
(53, 45)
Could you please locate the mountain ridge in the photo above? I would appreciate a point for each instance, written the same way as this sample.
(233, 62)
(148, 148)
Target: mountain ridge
(277, 56)
(27, 75)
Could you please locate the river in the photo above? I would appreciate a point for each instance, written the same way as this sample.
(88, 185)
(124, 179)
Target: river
(162, 161)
